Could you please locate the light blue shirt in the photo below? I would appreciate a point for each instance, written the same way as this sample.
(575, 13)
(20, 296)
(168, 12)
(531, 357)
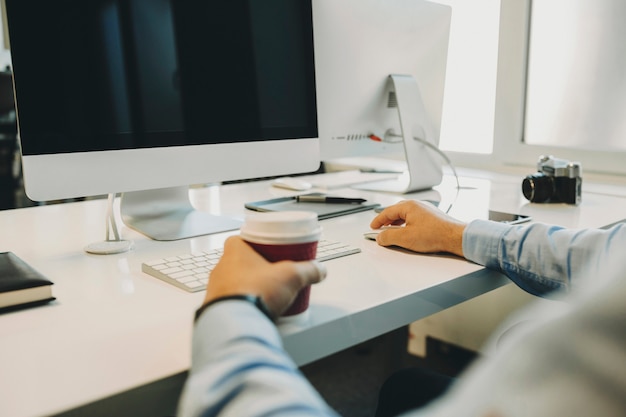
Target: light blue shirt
(238, 368)
(569, 362)
(542, 258)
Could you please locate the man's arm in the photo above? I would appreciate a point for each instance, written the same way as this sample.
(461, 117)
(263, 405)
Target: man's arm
(239, 367)
(539, 258)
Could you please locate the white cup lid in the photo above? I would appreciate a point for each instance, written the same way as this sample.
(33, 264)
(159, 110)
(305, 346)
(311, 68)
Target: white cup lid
(281, 227)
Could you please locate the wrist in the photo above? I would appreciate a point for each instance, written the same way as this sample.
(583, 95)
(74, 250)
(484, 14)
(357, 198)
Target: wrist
(256, 300)
(454, 239)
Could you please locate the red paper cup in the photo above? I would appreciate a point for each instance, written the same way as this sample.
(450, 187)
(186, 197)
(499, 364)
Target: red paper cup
(287, 235)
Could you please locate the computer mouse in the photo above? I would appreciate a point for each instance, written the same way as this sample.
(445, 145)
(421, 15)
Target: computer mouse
(291, 183)
(371, 235)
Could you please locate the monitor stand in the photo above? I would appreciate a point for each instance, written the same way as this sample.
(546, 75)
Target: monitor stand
(111, 245)
(419, 137)
(167, 214)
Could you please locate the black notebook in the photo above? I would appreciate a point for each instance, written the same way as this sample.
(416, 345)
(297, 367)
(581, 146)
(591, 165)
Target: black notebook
(21, 285)
(323, 210)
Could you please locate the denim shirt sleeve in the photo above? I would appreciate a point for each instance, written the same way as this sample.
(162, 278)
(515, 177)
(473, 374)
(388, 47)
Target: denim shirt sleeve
(541, 258)
(238, 368)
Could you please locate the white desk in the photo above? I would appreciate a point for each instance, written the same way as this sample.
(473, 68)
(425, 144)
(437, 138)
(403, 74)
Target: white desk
(115, 328)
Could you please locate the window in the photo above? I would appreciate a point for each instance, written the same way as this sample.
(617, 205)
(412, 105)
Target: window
(468, 113)
(542, 64)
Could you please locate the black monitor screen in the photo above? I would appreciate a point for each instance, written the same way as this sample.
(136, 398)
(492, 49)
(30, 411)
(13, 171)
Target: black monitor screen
(93, 75)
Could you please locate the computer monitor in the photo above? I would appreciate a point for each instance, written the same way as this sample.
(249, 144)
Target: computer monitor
(128, 95)
(359, 45)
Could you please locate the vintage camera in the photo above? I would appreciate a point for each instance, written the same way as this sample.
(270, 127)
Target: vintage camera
(557, 181)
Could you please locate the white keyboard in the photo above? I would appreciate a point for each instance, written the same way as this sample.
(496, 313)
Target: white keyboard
(191, 271)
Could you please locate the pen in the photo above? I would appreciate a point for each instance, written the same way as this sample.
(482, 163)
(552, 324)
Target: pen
(328, 199)
(519, 220)
(380, 171)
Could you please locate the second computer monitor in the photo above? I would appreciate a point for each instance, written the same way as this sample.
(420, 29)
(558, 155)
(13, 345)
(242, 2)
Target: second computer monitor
(133, 96)
(360, 44)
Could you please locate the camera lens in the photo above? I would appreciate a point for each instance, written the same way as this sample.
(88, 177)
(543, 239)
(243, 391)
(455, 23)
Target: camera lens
(538, 188)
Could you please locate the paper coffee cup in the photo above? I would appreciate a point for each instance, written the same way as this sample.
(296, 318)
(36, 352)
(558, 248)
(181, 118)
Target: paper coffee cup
(286, 235)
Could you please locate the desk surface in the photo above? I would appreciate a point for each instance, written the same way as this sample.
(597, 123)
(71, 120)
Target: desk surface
(114, 328)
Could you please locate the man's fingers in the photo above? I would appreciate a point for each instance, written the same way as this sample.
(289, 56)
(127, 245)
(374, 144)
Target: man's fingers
(392, 215)
(236, 243)
(385, 218)
(391, 237)
(310, 272)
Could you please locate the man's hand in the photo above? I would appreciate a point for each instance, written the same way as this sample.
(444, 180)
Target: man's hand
(241, 270)
(427, 229)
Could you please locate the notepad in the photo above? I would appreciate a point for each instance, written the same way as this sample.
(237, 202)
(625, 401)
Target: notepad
(21, 285)
(323, 210)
